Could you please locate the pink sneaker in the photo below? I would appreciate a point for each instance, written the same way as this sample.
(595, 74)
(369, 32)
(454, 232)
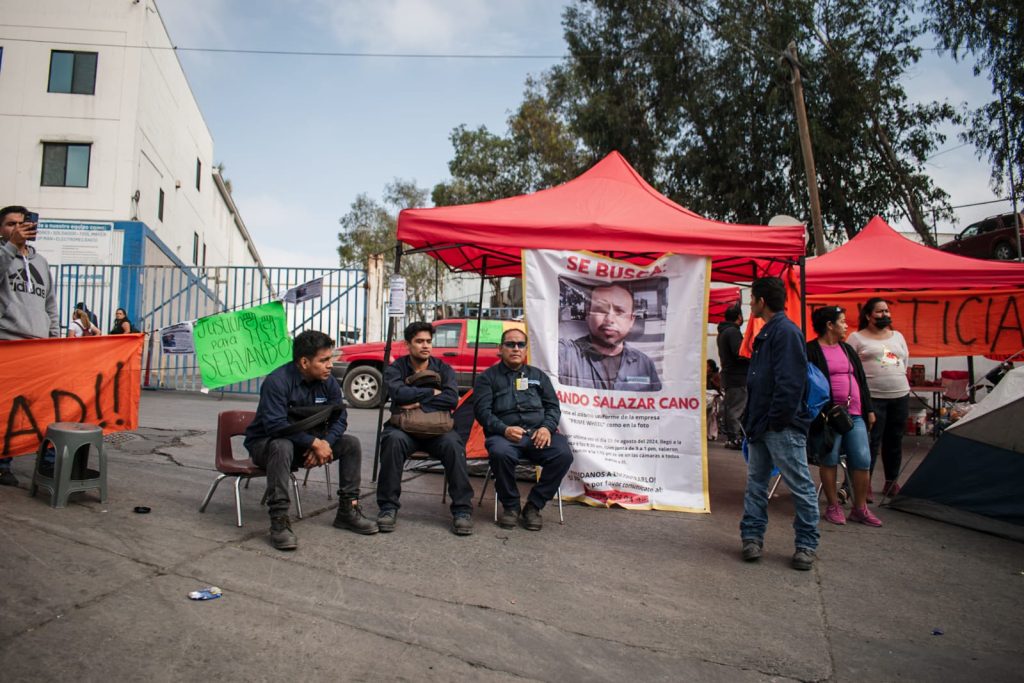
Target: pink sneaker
(834, 514)
(864, 516)
(890, 489)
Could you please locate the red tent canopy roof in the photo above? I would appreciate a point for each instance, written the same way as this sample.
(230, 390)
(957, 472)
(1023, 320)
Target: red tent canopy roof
(878, 259)
(609, 209)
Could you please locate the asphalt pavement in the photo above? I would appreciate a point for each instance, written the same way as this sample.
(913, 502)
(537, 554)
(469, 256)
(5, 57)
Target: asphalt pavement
(97, 592)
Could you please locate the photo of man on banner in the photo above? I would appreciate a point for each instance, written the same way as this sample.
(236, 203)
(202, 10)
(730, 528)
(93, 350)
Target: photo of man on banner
(624, 347)
(601, 358)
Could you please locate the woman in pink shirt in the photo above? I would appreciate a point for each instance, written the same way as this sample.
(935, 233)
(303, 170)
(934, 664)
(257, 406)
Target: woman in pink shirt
(840, 364)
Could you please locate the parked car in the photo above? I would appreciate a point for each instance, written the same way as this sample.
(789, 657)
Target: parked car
(990, 238)
(359, 368)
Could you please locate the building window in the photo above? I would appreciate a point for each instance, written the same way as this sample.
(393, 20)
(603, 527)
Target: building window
(199, 172)
(65, 165)
(195, 249)
(160, 205)
(72, 72)
(204, 254)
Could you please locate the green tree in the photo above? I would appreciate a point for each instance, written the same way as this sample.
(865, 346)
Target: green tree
(694, 96)
(992, 31)
(370, 228)
(537, 152)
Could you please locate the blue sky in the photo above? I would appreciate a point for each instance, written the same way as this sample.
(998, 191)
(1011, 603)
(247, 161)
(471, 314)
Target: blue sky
(300, 137)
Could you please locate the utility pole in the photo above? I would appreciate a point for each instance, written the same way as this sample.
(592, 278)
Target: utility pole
(789, 57)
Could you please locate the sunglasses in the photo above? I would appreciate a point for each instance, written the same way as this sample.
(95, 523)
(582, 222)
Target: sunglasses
(514, 344)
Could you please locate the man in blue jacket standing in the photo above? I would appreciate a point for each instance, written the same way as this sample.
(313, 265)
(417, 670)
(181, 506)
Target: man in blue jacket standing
(776, 423)
(280, 438)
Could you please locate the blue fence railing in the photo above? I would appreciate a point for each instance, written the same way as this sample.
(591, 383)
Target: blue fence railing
(159, 296)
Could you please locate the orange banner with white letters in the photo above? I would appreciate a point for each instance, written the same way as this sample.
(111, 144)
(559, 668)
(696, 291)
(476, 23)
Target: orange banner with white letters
(945, 323)
(89, 379)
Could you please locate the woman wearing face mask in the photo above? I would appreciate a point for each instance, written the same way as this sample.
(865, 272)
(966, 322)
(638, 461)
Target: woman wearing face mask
(884, 353)
(840, 364)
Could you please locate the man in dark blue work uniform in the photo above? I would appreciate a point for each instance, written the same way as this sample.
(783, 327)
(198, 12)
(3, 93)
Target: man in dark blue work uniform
(276, 441)
(519, 412)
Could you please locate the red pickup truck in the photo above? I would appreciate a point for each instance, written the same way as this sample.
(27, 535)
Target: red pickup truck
(359, 367)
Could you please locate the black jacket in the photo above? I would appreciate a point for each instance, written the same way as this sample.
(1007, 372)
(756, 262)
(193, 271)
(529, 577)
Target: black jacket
(734, 366)
(402, 394)
(285, 388)
(817, 356)
(777, 380)
(498, 404)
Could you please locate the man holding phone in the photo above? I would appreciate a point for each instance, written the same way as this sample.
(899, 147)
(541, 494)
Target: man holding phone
(28, 307)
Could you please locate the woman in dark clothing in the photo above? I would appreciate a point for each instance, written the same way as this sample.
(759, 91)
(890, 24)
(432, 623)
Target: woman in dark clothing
(121, 323)
(841, 365)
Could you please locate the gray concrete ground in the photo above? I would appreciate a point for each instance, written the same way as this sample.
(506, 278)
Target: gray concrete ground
(97, 592)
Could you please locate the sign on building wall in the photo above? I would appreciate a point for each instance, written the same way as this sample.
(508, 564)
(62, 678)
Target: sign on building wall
(77, 242)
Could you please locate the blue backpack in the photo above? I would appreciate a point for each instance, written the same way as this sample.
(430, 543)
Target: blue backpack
(818, 391)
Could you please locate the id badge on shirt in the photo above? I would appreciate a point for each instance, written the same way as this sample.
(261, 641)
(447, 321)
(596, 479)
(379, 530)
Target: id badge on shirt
(522, 384)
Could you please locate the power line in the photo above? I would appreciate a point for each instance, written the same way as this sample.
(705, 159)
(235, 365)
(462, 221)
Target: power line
(946, 151)
(357, 55)
(296, 53)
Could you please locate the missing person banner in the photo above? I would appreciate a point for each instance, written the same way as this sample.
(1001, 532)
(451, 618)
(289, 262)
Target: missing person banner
(624, 348)
(86, 379)
(240, 345)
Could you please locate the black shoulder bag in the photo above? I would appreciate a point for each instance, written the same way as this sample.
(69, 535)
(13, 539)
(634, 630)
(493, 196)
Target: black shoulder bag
(838, 415)
(314, 420)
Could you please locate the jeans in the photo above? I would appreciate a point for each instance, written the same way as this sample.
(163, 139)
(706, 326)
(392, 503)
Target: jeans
(854, 443)
(279, 459)
(735, 402)
(555, 461)
(396, 446)
(786, 450)
(887, 434)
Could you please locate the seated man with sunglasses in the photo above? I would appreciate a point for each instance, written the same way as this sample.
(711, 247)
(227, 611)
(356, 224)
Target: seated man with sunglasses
(519, 412)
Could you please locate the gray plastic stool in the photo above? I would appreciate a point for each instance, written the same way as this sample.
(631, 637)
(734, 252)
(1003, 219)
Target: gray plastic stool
(71, 441)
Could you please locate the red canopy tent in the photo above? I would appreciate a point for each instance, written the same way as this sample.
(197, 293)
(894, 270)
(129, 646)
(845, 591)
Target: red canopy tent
(879, 258)
(721, 299)
(945, 305)
(609, 209)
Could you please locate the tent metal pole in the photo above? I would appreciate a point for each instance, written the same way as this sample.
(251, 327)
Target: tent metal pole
(479, 316)
(803, 294)
(970, 378)
(387, 355)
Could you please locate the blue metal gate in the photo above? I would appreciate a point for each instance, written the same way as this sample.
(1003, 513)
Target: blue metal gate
(158, 296)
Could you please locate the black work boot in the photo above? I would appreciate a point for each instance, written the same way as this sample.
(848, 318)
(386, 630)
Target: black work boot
(462, 524)
(509, 516)
(386, 520)
(281, 535)
(530, 518)
(350, 516)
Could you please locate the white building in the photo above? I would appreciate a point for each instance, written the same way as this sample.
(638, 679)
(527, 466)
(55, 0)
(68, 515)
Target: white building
(101, 135)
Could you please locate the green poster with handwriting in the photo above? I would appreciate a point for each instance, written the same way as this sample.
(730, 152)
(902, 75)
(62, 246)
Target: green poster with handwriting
(490, 331)
(240, 345)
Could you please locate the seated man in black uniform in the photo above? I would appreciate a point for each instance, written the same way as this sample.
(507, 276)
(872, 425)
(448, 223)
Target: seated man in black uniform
(277, 443)
(397, 445)
(519, 412)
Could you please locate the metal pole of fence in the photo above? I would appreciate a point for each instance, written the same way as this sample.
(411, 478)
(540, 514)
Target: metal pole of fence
(479, 316)
(387, 361)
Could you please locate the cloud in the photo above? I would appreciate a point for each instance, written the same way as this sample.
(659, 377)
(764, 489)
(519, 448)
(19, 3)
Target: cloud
(429, 26)
(196, 23)
(287, 234)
